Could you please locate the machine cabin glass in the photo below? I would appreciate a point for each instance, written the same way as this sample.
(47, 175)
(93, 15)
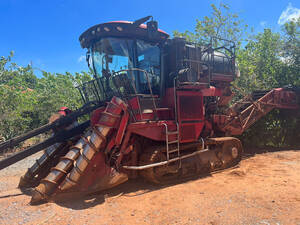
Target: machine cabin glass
(110, 55)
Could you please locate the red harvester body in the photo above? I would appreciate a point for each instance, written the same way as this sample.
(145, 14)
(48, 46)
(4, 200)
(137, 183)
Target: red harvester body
(164, 112)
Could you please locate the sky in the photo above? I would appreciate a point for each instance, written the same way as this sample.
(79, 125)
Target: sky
(45, 33)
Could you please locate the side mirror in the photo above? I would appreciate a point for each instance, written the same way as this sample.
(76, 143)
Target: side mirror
(87, 57)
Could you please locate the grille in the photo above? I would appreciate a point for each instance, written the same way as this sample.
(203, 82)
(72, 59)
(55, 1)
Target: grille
(190, 107)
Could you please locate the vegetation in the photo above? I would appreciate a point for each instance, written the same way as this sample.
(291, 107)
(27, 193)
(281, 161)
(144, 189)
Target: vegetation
(271, 60)
(222, 23)
(266, 60)
(28, 101)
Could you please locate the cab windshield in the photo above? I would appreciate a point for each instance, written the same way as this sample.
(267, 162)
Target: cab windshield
(110, 55)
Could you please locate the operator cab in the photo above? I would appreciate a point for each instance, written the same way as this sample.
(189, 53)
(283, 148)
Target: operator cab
(125, 57)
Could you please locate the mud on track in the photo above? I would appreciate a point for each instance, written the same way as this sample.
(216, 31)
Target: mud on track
(264, 189)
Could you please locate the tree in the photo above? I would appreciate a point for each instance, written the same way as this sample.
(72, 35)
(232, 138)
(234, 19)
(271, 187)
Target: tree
(28, 101)
(291, 50)
(271, 60)
(259, 62)
(221, 24)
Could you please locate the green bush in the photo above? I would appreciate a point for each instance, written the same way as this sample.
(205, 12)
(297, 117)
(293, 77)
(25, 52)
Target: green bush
(28, 101)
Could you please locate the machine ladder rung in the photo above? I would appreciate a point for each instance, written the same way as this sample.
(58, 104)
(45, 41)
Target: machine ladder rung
(172, 132)
(176, 141)
(174, 150)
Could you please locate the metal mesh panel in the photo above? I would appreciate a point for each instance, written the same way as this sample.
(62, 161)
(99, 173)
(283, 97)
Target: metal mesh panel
(103, 89)
(190, 107)
(92, 91)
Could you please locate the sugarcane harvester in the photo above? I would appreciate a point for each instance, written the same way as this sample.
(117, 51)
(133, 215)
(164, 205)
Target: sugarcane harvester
(159, 109)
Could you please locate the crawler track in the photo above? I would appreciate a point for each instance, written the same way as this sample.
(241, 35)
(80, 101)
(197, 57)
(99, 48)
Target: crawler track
(224, 153)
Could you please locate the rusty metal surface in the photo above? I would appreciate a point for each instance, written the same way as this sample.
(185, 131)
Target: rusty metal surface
(222, 153)
(240, 118)
(68, 172)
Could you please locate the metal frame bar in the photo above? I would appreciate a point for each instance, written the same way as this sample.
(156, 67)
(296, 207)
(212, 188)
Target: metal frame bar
(164, 162)
(256, 110)
(167, 140)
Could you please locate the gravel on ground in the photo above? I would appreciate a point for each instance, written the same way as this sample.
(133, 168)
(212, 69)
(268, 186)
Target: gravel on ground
(264, 189)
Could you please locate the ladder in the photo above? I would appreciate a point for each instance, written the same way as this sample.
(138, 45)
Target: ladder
(176, 141)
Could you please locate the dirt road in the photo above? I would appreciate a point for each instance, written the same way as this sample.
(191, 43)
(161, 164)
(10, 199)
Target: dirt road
(264, 189)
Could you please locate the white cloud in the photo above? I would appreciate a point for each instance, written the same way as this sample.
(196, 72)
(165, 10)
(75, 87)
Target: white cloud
(286, 59)
(263, 23)
(81, 59)
(290, 13)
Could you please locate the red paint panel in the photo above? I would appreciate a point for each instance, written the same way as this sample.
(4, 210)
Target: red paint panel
(168, 99)
(96, 114)
(190, 115)
(190, 106)
(211, 91)
(96, 170)
(190, 132)
(152, 130)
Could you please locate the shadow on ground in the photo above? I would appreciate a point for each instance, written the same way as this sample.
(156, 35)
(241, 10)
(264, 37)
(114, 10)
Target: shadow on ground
(138, 186)
(131, 188)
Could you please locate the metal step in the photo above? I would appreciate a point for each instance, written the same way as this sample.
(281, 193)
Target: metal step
(173, 142)
(172, 132)
(174, 150)
(168, 143)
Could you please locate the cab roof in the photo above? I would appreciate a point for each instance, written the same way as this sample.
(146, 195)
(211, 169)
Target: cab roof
(124, 29)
